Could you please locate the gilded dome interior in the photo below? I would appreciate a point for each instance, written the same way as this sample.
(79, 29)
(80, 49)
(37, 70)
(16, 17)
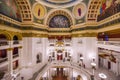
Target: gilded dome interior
(80, 13)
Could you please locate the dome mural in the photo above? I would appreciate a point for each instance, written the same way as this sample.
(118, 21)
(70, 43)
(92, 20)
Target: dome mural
(39, 11)
(59, 3)
(10, 9)
(59, 21)
(79, 10)
(76, 8)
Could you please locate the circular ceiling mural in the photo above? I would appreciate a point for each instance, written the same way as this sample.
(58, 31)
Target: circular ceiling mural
(39, 11)
(59, 21)
(59, 3)
(79, 10)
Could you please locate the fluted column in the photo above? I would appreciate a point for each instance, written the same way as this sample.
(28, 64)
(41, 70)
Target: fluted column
(20, 52)
(10, 57)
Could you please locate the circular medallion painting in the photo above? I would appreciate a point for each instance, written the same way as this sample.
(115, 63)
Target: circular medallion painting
(39, 11)
(59, 21)
(79, 10)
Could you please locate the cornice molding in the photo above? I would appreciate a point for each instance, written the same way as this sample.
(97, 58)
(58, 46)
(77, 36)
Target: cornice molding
(34, 35)
(35, 27)
(87, 34)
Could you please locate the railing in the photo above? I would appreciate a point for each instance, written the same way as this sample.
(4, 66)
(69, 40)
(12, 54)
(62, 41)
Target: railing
(7, 76)
(15, 41)
(15, 55)
(74, 66)
(3, 42)
(3, 59)
(37, 73)
(83, 70)
(115, 43)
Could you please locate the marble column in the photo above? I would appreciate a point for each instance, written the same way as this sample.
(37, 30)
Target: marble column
(10, 58)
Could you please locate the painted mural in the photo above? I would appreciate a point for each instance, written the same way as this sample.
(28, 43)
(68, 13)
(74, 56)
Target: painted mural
(108, 8)
(39, 11)
(79, 10)
(59, 2)
(59, 21)
(10, 9)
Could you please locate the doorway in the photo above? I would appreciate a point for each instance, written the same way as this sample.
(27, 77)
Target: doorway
(59, 56)
(109, 65)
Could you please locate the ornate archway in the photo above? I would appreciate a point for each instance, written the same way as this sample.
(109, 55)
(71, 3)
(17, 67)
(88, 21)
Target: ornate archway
(59, 13)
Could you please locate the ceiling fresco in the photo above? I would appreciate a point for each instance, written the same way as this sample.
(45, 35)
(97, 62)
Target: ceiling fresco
(39, 11)
(58, 3)
(10, 9)
(108, 8)
(59, 21)
(78, 9)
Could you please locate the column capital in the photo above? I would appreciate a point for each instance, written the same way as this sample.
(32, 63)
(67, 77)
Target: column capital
(9, 49)
(20, 47)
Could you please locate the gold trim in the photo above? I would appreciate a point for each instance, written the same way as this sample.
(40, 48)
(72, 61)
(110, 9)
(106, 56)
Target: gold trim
(20, 47)
(9, 49)
(89, 34)
(34, 35)
(85, 35)
(7, 34)
(11, 34)
(19, 35)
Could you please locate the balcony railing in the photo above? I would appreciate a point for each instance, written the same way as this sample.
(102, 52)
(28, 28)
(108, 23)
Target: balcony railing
(115, 43)
(3, 59)
(16, 42)
(15, 55)
(3, 42)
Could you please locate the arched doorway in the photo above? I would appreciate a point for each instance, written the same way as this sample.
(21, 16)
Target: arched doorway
(59, 56)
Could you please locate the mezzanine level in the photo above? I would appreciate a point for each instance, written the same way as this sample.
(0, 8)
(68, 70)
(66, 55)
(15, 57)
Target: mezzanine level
(112, 45)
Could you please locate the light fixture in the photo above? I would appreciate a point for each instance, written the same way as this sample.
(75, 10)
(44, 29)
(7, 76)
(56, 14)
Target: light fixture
(93, 67)
(81, 58)
(102, 76)
(93, 64)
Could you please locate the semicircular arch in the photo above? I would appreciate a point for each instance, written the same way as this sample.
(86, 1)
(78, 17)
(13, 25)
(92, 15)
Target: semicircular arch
(7, 34)
(55, 12)
(19, 36)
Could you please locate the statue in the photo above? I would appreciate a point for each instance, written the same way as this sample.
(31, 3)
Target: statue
(38, 58)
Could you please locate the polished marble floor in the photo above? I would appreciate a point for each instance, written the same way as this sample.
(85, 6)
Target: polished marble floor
(110, 75)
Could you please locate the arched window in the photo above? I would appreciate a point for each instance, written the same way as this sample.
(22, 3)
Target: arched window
(15, 40)
(3, 40)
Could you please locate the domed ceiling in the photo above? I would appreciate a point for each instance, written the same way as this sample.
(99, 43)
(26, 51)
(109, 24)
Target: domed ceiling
(59, 3)
(77, 9)
(9, 8)
(67, 12)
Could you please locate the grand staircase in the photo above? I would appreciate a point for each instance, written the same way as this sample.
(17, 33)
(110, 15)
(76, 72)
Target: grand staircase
(59, 75)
